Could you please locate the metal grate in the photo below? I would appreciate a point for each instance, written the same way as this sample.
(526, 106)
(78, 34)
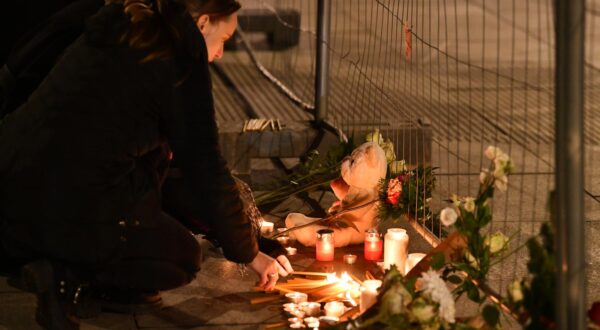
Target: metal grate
(479, 72)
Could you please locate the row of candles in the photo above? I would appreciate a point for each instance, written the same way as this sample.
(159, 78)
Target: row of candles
(394, 247)
(304, 313)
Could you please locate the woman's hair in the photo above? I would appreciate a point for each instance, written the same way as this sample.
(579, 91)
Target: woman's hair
(158, 25)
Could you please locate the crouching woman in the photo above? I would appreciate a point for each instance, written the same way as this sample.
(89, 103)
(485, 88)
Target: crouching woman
(114, 161)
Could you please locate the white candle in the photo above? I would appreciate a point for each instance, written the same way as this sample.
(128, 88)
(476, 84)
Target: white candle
(368, 294)
(395, 248)
(296, 297)
(266, 227)
(312, 322)
(334, 308)
(412, 260)
(291, 250)
(349, 259)
(311, 308)
(295, 320)
(283, 240)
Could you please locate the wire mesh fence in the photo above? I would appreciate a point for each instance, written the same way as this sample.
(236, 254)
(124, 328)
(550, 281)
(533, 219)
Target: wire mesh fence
(443, 79)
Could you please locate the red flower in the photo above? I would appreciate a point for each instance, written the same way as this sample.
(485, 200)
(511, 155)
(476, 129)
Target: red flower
(594, 313)
(394, 190)
(393, 198)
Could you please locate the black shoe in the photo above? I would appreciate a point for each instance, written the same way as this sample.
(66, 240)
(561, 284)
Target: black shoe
(128, 301)
(59, 294)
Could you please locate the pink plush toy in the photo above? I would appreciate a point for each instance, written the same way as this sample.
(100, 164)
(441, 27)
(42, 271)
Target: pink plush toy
(361, 173)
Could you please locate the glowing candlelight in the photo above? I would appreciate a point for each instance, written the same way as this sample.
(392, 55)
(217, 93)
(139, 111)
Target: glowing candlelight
(297, 325)
(312, 322)
(291, 251)
(311, 308)
(288, 307)
(298, 313)
(368, 294)
(283, 240)
(373, 245)
(334, 308)
(325, 245)
(396, 248)
(294, 320)
(266, 227)
(349, 259)
(296, 297)
(412, 260)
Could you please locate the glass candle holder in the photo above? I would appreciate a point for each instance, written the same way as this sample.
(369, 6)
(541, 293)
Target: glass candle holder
(396, 248)
(266, 227)
(349, 259)
(334, 308)
(289, 307)
(373, 245)
(283, 240)
(325, 245)
(296, 297)
(312, 322)
(311, 308)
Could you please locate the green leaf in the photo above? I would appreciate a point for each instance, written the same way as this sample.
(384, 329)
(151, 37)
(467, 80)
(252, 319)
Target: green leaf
(472, 291)
(438, 261)
(454, 279)
(491, 315)
(484, 214)
(410, 285)
(470, 225)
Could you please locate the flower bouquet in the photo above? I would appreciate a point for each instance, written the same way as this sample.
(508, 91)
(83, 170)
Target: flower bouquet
(418, 303)
(407, 193)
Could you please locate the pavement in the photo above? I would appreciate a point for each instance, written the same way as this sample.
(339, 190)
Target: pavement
(219, 297)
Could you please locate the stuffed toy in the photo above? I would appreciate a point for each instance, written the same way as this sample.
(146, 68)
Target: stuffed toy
(358, 185)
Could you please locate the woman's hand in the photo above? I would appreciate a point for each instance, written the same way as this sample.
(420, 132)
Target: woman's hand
(269, 269)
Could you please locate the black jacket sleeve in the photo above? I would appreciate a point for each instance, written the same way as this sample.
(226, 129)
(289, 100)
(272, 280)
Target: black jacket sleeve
(208, 191)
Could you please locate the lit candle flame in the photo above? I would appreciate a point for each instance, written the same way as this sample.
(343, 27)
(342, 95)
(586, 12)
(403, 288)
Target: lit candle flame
(348, 286)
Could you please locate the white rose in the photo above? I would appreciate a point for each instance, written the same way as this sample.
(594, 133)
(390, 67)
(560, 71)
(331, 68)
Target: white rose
(491, 152)
(471, 259)
(483, 175)
(388, 147)
(375, 137)
(448, 216)
(469, 204)
(501, 157)
(499, 172)
(397, 167)
(515, 291)
(496, 242)
(455, 200)
(501, 183)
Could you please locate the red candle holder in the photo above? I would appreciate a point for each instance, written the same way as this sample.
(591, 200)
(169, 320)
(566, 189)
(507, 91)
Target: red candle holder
(373, 245)
(325, 245)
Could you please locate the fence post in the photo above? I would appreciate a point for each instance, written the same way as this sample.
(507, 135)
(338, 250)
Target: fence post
(322, 70)
(569, 157)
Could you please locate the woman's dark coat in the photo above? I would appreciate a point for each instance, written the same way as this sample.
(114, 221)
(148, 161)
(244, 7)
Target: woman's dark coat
(78, 161)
